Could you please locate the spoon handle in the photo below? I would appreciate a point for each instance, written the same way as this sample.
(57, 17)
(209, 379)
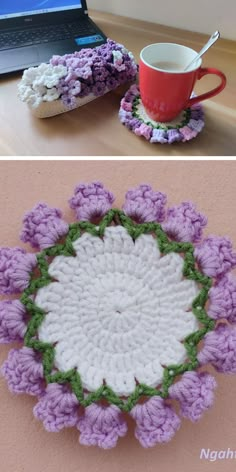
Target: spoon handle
(205, 48)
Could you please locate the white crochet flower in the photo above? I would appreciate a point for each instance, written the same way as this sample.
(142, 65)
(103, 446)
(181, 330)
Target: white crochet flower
(51, 94)
(118, 311)
(38, 84)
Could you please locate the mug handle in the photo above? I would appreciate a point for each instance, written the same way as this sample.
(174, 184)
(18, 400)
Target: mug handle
(204, 71)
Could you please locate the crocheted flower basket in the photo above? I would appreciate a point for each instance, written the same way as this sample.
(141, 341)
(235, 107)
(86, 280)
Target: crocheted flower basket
(111, 311)
(73, 80)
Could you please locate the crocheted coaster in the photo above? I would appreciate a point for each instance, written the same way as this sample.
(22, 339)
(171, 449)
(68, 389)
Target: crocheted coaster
(73, 80)
(111, 312)
(185, 127)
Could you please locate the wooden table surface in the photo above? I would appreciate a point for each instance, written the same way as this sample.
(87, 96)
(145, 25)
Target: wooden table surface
(95, 129)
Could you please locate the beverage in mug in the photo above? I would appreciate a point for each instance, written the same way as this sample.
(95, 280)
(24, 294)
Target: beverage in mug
(164, 85)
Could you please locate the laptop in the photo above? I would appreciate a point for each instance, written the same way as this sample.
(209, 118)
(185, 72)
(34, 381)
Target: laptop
(32, 31)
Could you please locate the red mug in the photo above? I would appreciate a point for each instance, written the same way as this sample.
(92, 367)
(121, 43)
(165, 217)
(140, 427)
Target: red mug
(164, 86)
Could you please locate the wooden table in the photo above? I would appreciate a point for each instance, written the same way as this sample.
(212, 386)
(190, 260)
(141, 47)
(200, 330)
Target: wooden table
(95, 129)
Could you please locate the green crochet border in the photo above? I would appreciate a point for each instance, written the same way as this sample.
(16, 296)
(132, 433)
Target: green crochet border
(37, 314)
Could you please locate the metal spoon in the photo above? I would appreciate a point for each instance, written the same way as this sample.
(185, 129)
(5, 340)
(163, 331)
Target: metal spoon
(205, 48)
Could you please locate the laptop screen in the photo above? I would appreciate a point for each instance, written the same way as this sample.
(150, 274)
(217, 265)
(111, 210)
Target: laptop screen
(14, 8)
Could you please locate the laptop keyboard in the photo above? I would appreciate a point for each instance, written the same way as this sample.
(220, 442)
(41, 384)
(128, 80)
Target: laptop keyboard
(44, 34)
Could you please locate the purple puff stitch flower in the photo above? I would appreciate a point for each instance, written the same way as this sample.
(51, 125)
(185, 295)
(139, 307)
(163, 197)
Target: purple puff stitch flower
(126, 117)
(195, 392)
(215, 256)
(196, 124)
(23, 371)
(15, 269)
(156, 422)
(43, 226)
(144, 204)
(159, 136)
(220, 349)
(57, 408)
(222, 299)
(127, 106)
(144, 130)
(133, 123)
(185, 223)
(91, 201)
(197, 115)
(101, 426)
(12, 321)
(188, 133)
(173, 135)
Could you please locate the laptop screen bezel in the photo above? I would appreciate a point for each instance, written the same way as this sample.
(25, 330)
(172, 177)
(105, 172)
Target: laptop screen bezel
(45, 18)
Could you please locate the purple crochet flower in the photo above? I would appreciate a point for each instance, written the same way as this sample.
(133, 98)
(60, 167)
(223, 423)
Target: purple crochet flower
(222, 299)
(195, 392)
(133, 124)
(12, 321)
(58, 60)
(15, 269)
(101, 426)
(43, 226)
(88, 53)
(111, 83)
(173, 135)
(106, 55)
(99, 89)
(84, 72)
(159, 136)
(100, 73)
(156, 422)
(74, 88)
(188, 133)
(23, 371)
(196, 124)
(185, 223)
(91, 201)
(144, 204)
(69, 101)
(144, 130)
(127, 106)
(126, 117)
(70, 79)
(220, 349)
(57, 408)
(215, 256)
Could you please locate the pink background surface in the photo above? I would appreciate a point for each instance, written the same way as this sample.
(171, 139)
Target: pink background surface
(24, 445)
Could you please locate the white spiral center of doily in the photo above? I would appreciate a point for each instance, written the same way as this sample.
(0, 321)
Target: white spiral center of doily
(118, 311)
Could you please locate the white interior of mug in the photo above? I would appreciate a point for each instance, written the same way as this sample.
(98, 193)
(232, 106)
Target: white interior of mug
(170, 52)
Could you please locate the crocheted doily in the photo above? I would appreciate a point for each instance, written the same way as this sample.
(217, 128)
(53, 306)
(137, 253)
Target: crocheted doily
(111, 312)
(184, 127)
